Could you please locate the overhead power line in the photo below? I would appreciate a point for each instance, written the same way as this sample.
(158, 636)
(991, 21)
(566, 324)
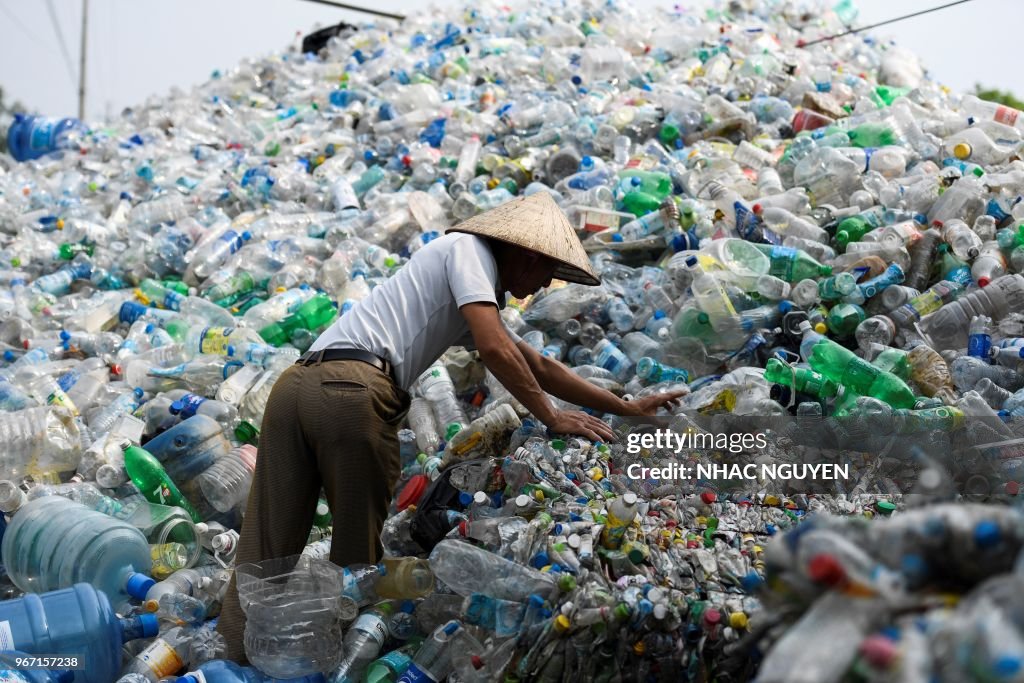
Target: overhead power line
(60, 38)
(357, 8)
(881, 23)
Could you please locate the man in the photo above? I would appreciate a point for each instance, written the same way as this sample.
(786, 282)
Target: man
(332, 419)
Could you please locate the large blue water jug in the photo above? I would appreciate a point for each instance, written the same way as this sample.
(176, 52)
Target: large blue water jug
(189, 447)
(186, 450)
(225, 671)
(75, 621)
(30, 137)
(53, 543)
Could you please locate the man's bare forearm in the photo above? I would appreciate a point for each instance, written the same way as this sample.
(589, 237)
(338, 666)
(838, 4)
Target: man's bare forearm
(509, 367)
(556, 379)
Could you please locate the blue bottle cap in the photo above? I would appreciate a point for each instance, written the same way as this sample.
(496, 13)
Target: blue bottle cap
(138, 585)
(176, 407)
(987, 534)
(785, 307)
(465, 498)
(408, 606)
(536, 600)
(540, 559)
(150, 624)
(451, 627)
(914, 567)
(246, 235)
(9, 356)
(138, 392)
(188, 678)
(1006, 666)
(65, 335)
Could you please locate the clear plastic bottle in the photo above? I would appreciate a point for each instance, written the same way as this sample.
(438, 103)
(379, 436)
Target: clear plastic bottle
(225, 485)
(165, 656)
(948, 327)
(467, 569)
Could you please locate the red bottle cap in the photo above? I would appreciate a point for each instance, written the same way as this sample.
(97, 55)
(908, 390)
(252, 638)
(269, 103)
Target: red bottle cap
(412, 491)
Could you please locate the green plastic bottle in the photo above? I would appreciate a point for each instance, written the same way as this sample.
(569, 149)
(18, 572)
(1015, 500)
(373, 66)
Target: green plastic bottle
(842, 366)
(311, 315)
(152, 480)
(843, 319)
(640, 203)
(649, 182)
(695, 323)
(853, 228)
(872, 135)
(239, 283)
(837, 286)
(792, 265)
(804, 380)
(896, 361)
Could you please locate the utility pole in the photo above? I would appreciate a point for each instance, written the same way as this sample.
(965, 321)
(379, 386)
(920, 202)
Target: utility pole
(81, 60)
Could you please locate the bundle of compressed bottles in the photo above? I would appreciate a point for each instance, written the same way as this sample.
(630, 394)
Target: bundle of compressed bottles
(811, 235)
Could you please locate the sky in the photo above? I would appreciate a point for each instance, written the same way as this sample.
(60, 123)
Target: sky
(137, 48)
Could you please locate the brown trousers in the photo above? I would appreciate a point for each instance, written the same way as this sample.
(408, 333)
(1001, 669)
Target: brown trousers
(328, 424)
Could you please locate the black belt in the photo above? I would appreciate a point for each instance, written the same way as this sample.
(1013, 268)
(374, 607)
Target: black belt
(327, 355)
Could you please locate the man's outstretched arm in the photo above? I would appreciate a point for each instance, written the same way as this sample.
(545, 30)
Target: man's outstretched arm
(506, 362)
(556, 379)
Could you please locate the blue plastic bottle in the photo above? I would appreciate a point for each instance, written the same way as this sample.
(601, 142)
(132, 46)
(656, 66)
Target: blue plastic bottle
(225, 671)
(30, 137)
(73, 621)
(54, 543)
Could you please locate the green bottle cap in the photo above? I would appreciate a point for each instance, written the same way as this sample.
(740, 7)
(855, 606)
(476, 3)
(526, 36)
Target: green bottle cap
(885, 507)
(247, 433)
(452, 430)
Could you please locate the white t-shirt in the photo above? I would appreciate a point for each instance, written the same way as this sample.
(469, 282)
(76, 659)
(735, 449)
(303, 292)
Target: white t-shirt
(414, 316)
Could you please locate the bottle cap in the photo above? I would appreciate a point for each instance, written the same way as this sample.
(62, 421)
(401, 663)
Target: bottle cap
(987, 534)
(738, 620)
(138, 585)
(708, 497)
(825, 569)
(150, 625)
(984, 281)
(962, 150)
(629, 498)
(412, 491)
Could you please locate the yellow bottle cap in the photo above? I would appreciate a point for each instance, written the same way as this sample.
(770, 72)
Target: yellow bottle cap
(738, 620)
(771, 499)
(962, 150)
(562, 623)
(821, 328)
(639, 648)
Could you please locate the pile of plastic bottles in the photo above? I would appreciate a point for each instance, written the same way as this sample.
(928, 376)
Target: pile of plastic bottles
(820, 233)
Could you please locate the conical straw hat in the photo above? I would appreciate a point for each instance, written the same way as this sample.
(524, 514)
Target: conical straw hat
(536, 223)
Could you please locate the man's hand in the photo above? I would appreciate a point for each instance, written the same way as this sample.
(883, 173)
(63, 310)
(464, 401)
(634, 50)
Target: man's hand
(648, 405)
(580, 424)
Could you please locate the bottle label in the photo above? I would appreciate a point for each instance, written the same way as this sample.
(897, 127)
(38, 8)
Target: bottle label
(162, 659)
(416, 675)
(1006, 115)
(373, 625)
(190, 404)
(233, 239)
(215, 340)
(6, 637)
